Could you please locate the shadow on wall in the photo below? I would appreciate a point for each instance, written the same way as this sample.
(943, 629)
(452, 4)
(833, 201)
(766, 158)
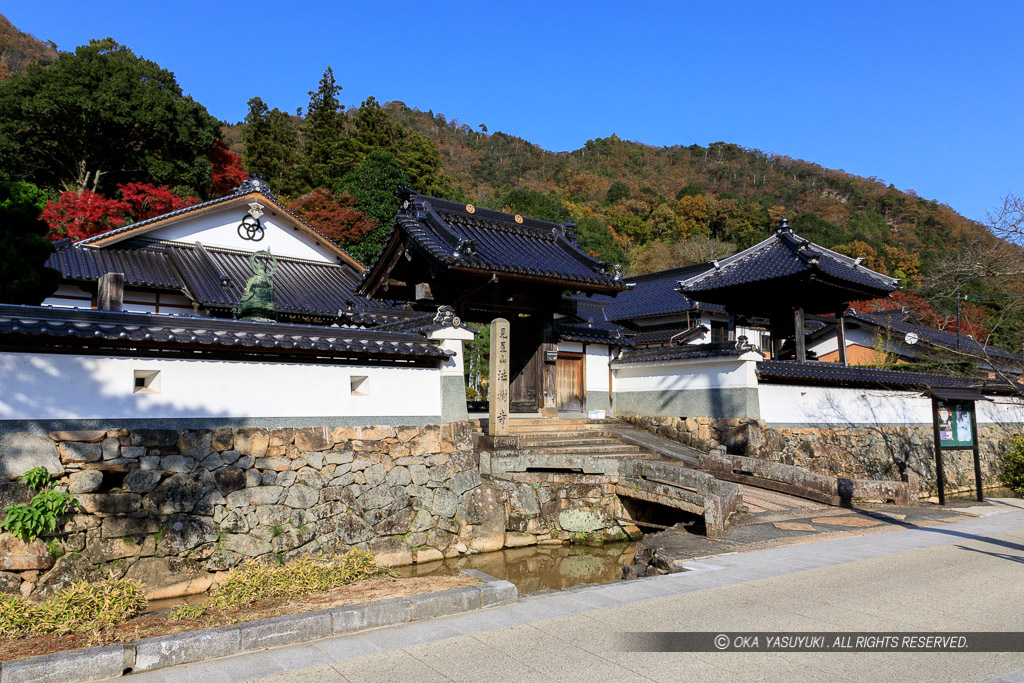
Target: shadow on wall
(70, 388)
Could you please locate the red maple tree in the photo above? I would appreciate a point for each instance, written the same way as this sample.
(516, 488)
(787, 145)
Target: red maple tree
(79, 215)
(228, 172)
(334, 214)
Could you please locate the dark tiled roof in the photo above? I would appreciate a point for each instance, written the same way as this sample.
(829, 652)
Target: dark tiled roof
(781, 255)
(835, 374)
(655, 294)
(896, 321)
(590, 325)
(492, 241)
(663, 334)
(253, 185)
(681, 351)
(101, 331)
(301, 287)
(141, 267)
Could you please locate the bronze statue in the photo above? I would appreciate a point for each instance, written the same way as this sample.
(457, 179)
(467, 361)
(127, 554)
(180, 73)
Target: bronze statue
(257, 302)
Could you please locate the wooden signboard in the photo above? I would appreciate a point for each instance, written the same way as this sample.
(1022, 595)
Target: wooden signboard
(497, 388)
(955, 427)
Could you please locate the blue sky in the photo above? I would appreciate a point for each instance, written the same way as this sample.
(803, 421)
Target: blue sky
(925, 95)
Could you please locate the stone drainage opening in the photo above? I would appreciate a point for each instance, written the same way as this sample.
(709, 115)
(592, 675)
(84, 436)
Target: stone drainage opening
(651, 517)
(555, 470)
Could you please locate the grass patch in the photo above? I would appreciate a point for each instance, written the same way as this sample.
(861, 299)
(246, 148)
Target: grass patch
(185, 612)
(254, 582)
(80, 607)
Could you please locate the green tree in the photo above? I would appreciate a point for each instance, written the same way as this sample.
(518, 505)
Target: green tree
(373, 129)
(618, 190)
(324, 130)
(593, 236)
(530, 203)
(271, 149)
(373, 183)
(102, 116)
(24, 277)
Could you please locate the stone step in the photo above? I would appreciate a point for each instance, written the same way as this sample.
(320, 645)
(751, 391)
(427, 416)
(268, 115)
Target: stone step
(617, 449)
(533, 441)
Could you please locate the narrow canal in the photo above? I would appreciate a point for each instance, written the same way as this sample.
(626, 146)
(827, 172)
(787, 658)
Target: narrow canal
(538, 568)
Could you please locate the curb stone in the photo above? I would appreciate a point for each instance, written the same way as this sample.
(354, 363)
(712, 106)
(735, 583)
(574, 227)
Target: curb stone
(119, 659)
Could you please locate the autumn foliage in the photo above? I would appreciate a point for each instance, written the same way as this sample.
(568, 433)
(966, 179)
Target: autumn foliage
(974, 320)
(79, 215)
(333, 214)
(227, 171)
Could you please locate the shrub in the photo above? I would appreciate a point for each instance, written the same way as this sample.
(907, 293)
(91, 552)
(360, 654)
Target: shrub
(29, 521)
(1013, 466)
(82, 606)
(254, 582)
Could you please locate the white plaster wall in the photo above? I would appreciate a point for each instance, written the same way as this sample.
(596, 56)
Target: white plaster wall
(596, 364)
(452, 339)
(853, 336)
(789, 404)
(51, 386)
(570, 347)
(219, 228)
(698, 373)
(70, 296)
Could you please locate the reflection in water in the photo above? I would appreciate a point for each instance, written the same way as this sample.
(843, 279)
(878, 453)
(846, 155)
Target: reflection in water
(996, 492)
(537, 568)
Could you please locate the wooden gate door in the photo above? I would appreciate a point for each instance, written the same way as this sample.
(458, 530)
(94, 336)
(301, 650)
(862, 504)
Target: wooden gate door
(569, 369)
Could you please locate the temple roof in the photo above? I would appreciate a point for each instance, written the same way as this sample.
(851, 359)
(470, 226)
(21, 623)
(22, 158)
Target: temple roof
(160, 334)
(655, 294)
(835, 374)
(215, 277)
(683, 351)
(461, 238)
(901, 322)
(252, 188)
(772, 268)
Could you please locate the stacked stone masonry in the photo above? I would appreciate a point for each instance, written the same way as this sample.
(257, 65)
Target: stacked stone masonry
(178, 509)
(881, 452)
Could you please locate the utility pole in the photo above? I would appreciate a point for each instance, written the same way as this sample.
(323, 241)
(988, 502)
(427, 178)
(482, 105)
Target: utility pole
(958, 322)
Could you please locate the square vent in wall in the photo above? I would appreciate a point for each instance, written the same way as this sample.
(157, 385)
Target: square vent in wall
(146, 382)
(360, 385)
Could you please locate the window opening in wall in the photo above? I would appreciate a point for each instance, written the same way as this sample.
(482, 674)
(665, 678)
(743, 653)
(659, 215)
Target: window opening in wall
(146, 382)
(360, 385)
(719, 331)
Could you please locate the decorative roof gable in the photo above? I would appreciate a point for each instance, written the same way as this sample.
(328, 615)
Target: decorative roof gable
(209, 222)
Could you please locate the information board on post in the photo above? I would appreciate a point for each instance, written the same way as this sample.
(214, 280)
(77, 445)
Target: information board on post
(956, 424)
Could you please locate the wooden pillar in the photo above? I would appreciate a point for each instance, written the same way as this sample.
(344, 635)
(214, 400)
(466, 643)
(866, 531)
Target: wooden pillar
(798, 334)
(110, 292)
(940, 477)
(841, 337)
(498, 387)
(977, 455)
(549, 370)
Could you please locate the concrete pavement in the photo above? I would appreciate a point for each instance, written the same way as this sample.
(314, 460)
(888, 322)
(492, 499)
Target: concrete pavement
(963, 576)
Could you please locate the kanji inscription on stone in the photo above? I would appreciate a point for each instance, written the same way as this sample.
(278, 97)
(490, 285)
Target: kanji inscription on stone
(497, 388)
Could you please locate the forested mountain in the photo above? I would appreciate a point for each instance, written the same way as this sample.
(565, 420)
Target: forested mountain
(18, 50)
(646, 207)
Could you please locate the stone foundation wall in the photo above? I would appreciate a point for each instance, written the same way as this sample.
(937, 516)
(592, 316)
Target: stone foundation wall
(881, 452)
(175, 509)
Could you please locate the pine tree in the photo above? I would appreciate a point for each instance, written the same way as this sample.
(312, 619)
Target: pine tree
(272, 147)
(324, 130)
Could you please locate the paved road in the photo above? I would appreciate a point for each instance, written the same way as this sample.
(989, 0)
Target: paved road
(963, 576)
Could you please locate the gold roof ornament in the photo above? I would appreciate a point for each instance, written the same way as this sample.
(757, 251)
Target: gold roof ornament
(470, 208)
(518, 219)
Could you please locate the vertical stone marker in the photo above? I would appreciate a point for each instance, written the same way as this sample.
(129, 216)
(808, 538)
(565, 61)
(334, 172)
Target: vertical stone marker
(497, 387)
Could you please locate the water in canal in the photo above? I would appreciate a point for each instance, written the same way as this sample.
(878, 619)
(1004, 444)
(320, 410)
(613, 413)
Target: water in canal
(537, 568)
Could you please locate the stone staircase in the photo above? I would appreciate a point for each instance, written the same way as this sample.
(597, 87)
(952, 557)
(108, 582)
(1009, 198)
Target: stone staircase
(569, 445)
